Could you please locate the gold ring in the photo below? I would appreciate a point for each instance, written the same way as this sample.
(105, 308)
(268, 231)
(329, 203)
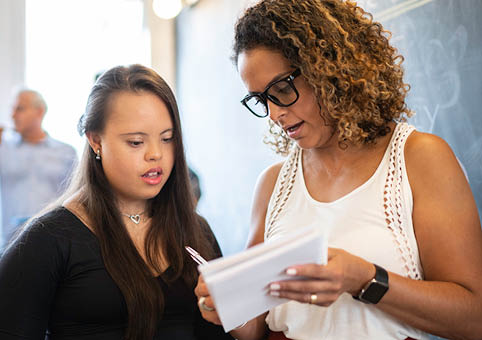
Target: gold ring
(203, 305)
(313, 298)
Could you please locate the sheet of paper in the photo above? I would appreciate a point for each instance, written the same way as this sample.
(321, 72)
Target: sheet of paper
(239, 283)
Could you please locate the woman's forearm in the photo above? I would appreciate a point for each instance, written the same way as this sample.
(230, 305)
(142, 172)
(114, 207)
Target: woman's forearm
(443, 308)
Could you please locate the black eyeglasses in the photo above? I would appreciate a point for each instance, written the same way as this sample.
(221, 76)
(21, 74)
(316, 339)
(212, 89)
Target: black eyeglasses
(281, 92)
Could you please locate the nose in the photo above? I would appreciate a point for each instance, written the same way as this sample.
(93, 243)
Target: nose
(154, 152)
(276, 112)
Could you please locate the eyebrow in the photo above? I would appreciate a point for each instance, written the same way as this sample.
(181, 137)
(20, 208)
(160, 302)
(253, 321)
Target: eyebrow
(145, 134)
(274, 80)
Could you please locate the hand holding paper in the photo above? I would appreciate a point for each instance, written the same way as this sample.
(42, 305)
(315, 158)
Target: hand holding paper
(239, 283)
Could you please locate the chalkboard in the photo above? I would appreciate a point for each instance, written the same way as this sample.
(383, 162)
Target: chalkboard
(441, 41)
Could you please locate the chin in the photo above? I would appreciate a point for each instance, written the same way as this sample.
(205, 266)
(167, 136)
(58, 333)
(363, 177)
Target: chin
(156, 192)
(152, 194)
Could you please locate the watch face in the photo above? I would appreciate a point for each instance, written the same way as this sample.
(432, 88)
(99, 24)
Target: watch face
(376, 288)
(374, 292)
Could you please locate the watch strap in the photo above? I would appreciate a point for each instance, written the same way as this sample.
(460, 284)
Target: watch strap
(381, 274)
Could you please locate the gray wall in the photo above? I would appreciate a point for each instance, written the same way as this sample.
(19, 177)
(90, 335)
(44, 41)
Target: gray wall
(12, 53)
(223, 140)
(12, 57)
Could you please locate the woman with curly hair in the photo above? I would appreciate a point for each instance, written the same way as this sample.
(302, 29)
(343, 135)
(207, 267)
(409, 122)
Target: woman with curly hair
(395, 201)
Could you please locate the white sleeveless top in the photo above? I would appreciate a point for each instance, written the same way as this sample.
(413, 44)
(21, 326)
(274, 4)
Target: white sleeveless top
(374, 221)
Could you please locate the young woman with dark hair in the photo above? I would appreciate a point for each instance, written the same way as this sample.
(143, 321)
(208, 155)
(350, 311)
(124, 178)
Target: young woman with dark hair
(107, 261)
(405, 243)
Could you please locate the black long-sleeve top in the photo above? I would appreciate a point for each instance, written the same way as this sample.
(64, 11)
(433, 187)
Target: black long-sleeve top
(54, 286)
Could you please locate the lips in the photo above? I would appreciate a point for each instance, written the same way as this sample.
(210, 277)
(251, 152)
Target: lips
(152, 173)
(293, 130)
(152, 176)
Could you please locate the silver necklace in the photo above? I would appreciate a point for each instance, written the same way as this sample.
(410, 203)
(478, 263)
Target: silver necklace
(136, 218)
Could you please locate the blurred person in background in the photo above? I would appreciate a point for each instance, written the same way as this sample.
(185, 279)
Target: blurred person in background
(34, 167)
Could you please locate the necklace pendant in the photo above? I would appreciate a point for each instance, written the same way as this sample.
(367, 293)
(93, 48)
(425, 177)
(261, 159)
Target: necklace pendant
(135, 218)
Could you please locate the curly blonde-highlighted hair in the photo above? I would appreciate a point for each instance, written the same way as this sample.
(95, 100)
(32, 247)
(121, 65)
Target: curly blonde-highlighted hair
(344, 56)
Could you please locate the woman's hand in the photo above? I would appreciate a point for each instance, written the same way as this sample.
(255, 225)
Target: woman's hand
(323, 284)
(205, 302)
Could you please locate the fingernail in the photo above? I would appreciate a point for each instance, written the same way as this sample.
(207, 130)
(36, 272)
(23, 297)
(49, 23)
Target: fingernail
(274, 286)
(273, 293)
(291, 271)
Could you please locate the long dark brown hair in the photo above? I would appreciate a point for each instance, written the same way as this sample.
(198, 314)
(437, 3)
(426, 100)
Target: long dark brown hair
(344, 56)
(174, 221)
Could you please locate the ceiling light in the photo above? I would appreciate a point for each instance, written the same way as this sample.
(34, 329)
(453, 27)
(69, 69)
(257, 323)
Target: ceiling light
(167, 9)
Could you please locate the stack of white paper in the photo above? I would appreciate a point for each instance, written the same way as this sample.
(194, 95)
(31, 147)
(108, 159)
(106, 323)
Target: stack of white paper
(239, 283)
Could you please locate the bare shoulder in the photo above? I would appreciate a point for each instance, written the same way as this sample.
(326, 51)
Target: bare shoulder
(427, 148)
(265, 185)
(434, 171)
(262, 194)
(267, 178)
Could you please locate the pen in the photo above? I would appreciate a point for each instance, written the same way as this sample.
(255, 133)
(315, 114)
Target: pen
(195, 255)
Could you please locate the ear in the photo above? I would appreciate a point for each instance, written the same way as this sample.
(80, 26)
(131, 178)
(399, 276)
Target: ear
(40, 113)
(94, 141)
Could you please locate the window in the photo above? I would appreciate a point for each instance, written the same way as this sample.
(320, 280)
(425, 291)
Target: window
(68, 42)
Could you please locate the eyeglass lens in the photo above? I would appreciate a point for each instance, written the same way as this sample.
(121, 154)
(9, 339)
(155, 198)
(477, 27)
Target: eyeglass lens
(281, 93)
(257, 106)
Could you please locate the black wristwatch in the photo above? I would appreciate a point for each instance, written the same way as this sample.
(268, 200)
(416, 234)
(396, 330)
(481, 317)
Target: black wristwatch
(376, 288)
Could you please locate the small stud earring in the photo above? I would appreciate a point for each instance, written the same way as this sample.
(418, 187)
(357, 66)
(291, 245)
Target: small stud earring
(98, 155)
